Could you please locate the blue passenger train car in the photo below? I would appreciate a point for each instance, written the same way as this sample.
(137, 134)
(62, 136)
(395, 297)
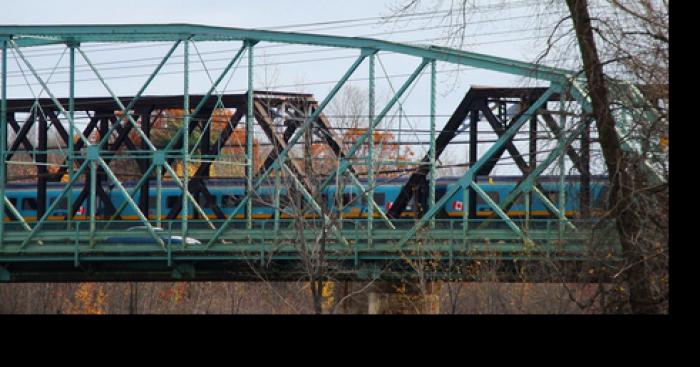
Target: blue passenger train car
(228, 194)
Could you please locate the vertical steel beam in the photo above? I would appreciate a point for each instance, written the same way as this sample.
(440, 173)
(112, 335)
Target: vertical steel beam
(276, 203)
(185, 137)
(532, 162)
(41, 160)
(562, 127)
(528, 199)
(431, 187)
(71, 132)
(93, 201)
(370, 153)
(473, 157)
(3, 137)
(249, 138)
(308, 169)
(159, 193)
(465, 210)
(103, 129)
(144, 196)
(278, 171)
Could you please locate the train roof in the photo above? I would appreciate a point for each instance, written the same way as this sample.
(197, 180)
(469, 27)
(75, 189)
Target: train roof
(218, 182)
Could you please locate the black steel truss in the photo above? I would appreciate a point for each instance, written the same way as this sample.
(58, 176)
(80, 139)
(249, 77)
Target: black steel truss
(478, 103)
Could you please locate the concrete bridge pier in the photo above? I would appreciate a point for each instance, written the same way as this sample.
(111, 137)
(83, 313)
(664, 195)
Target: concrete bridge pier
(389, 298)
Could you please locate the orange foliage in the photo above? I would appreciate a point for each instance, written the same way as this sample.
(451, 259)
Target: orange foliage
(176, 293)
(220, 117)
(382, 152)
(90, 299)
(234, 146)
(324, 158)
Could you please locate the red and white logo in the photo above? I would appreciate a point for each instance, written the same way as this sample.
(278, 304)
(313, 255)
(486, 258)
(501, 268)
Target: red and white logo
(457, 205)
(82, 210)
(388, 204)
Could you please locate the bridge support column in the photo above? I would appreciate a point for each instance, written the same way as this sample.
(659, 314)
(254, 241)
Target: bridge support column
(389, 297)
(403, 298)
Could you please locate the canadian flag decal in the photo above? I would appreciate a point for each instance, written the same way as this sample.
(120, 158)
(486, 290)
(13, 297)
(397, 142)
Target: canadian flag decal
(457, 205)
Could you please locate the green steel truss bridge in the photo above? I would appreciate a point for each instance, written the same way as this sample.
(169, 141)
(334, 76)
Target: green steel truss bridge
(237, 245)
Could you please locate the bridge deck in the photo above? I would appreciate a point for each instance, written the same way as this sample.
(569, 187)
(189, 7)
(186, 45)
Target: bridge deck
(72, 254)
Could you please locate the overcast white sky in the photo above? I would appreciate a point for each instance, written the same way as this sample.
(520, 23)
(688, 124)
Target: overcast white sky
(507, 31)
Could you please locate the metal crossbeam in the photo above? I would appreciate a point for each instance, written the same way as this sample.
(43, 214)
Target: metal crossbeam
(344, 162)
(528, 184)
(280, 144)
(282, 156)
(467, 178)
(449, 131)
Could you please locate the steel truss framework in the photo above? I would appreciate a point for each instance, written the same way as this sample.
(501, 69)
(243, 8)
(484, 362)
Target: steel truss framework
(33, 249)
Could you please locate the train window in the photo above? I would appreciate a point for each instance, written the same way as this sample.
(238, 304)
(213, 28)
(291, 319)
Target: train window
(379, 198)
(440, 192)
(172, 201)
(351, 199)
(29, 204)
(345, 199)
(152, 202)
(492, 194)
(13, 201)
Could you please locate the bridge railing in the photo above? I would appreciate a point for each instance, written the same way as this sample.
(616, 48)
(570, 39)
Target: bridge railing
(285, 237)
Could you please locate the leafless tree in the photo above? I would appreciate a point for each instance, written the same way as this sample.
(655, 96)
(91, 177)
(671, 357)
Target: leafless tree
(626, 41)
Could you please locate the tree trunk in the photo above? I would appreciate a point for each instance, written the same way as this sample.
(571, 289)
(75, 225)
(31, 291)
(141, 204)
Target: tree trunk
(620, 169)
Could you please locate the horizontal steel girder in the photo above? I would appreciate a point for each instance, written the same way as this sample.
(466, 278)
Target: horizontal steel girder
(68, 255)
(34, 35)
